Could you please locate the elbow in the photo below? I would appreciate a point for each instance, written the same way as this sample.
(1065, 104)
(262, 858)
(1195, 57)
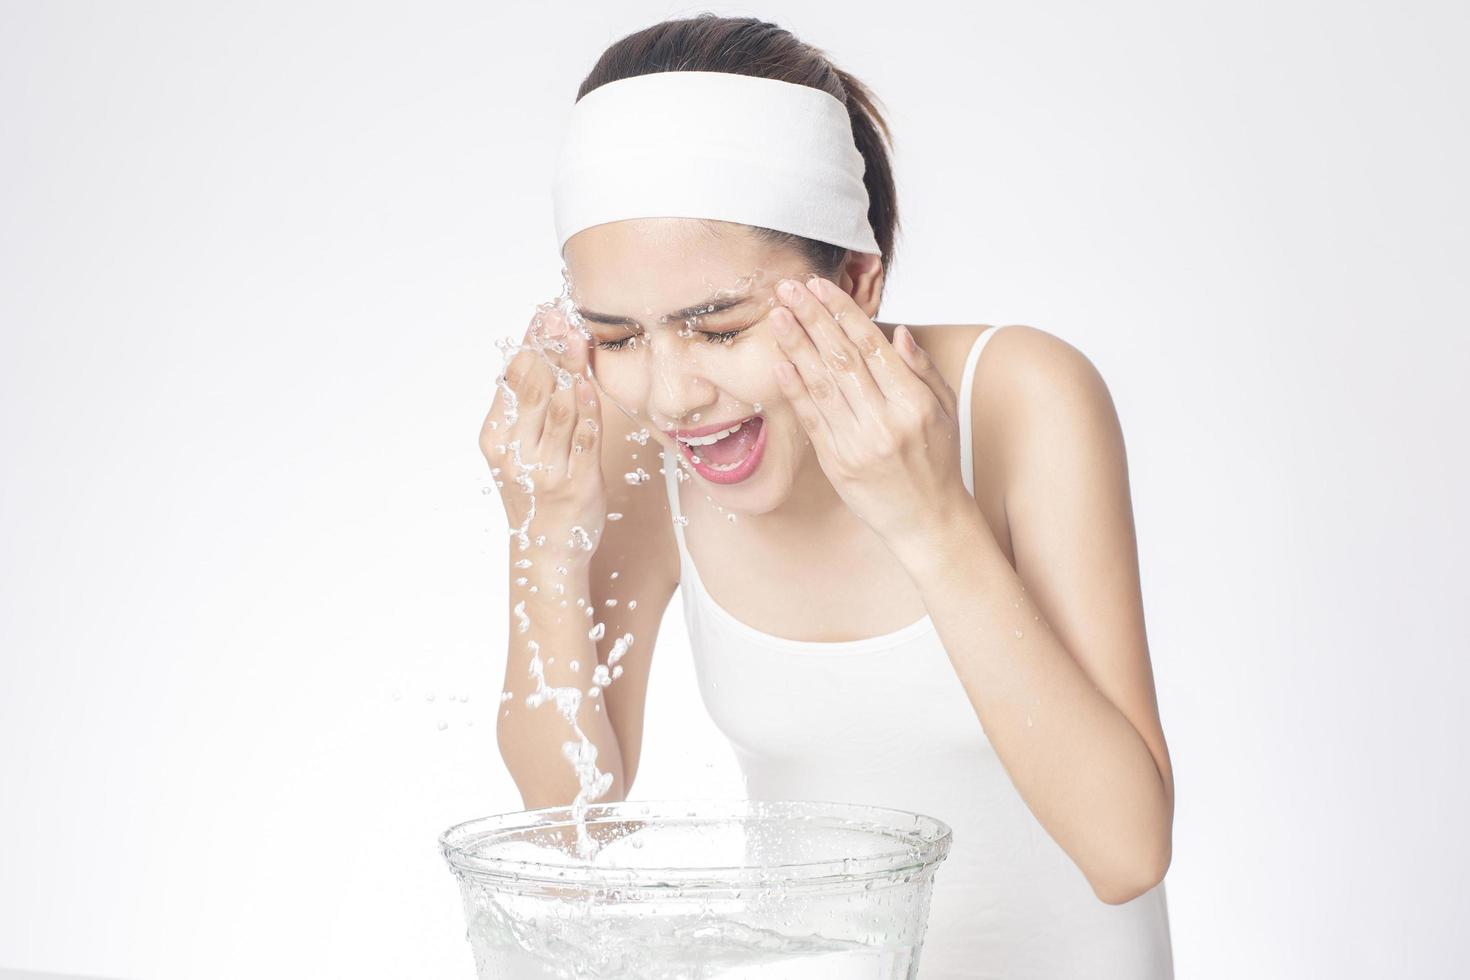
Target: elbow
(1146, 875)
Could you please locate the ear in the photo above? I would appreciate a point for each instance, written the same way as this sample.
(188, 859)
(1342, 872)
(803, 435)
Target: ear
(861, 277)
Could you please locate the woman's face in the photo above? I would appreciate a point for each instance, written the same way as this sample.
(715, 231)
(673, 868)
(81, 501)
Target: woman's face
(681, 339)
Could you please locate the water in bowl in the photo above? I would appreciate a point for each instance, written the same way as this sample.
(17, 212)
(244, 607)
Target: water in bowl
(706, 890)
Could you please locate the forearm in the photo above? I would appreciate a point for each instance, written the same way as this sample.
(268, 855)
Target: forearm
(531, 739)
(1076, 760)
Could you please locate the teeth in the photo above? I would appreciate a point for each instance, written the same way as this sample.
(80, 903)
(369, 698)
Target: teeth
(714, 437)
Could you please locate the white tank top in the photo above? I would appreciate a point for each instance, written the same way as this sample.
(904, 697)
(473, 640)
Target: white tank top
(885, 721)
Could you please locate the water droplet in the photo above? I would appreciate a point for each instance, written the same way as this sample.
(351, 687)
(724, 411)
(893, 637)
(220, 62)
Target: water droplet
(429, 696)
(1018, 634)
(442, 725)
(632, 603)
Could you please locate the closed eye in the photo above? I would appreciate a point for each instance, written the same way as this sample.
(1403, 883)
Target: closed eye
(724, 337)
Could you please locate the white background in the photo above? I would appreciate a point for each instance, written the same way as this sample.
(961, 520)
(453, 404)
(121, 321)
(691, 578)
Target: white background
(253, 261)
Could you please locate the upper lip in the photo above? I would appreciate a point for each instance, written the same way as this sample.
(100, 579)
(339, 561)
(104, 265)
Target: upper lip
(705, 430)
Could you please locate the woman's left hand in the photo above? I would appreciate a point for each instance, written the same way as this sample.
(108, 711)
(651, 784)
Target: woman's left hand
(882, 418)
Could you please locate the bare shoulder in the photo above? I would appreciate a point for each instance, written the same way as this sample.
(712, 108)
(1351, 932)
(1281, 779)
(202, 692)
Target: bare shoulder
(1028, 376)
(1022, 369)
(1018, 355)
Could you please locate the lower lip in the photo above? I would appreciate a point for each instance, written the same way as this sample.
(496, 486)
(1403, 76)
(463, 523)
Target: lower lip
(743, 470)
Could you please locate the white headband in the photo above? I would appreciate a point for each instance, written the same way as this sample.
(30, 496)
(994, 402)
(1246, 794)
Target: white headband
(703, 144)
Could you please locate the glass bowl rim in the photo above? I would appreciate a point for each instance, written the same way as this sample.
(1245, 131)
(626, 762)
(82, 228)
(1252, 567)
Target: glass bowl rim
(919, 843)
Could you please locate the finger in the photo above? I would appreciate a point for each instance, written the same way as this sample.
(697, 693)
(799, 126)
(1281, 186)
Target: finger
(810, 385)
(529, 378)
(922, 365)
(587, 435)
(819, 346)
(817, 385)
(490, 434)
(576, 357)
(547, 326)
(879, 356)
(561, 418)
(811, 417)
(567, 347)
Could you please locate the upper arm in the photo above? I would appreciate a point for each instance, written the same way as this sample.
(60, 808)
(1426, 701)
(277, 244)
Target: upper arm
(639, 547)
(1070, 514)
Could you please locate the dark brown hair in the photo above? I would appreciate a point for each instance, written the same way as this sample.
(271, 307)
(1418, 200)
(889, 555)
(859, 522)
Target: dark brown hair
(748, 46)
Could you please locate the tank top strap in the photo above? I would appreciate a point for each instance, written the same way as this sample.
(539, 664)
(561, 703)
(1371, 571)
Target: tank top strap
(966, 398)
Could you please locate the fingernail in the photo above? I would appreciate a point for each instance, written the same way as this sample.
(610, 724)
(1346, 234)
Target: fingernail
(786, 289)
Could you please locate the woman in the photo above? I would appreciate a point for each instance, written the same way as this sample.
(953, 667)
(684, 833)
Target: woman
(909, 572)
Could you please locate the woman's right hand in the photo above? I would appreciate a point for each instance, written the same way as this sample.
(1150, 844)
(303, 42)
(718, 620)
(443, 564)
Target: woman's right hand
(549, 438)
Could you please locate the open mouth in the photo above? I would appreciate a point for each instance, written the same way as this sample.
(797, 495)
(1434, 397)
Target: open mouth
(729, 456)
(723, 451)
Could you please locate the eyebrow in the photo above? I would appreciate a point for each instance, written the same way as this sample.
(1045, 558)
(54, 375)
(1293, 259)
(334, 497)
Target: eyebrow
(707, 308)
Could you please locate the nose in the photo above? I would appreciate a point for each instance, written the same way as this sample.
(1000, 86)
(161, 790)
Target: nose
(678, 387)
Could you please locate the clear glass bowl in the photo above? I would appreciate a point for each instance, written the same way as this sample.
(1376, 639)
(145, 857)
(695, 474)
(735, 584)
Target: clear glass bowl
(699, 890)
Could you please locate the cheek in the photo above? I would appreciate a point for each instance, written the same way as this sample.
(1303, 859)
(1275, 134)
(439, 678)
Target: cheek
(626, 390)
